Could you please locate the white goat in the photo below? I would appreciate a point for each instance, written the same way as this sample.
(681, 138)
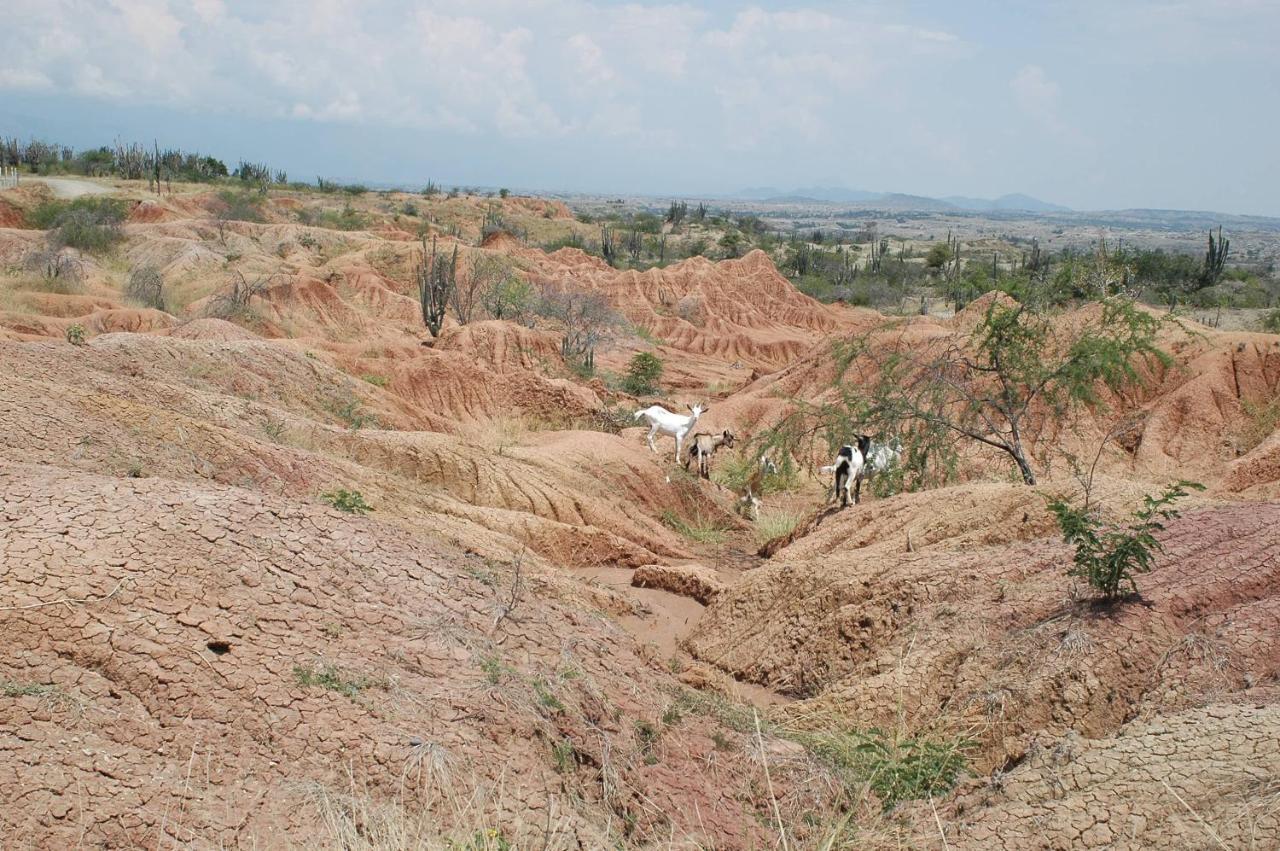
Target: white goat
(849, 466)
(703, 446)
(662, 420)
(881, 458)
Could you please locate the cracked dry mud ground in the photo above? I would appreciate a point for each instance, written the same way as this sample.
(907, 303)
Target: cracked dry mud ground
(1207, 778)
(236, 655)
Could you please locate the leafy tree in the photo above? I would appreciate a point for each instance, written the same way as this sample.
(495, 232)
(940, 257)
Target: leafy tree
(938, 256)
(643, 374)
(1016, 359)
(507, 295)
(1108, 556)
(732, 242)
(981, 389)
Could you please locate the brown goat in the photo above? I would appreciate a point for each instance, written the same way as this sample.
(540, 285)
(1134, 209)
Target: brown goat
(703, 446)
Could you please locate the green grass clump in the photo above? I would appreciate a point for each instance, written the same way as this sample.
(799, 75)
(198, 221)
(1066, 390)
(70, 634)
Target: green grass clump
(897, 767)
(700, 530)
(1263, 418)
(347, 219)
(647, 736)
(330, 677)
(775, 524)
(12, 688)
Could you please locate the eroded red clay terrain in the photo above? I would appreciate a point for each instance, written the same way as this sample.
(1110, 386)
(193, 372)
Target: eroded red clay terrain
(200, 652)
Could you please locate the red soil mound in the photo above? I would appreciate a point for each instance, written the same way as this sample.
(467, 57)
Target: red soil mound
(976, 635)
(214, 330)
(147, 212)
(10, 216)
(735, 310)
(503, 346)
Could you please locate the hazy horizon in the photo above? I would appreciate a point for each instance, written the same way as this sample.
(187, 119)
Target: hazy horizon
(1092, 105)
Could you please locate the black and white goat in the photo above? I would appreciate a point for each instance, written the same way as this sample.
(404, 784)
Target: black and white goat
(703, 446)
(850, 463)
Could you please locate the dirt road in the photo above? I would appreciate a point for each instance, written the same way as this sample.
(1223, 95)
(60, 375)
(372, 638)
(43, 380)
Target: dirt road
(68, 187)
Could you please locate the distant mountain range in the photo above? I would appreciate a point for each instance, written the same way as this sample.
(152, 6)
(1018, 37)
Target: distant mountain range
(896, 200)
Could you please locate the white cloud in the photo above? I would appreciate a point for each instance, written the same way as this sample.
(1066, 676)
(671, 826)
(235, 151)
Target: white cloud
(590, 59)
(521, 70)
(150, 24)
(1036, 95)
(91, 81)
(21, 78)
(209, 11)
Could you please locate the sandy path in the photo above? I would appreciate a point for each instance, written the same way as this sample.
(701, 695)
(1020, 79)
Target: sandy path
(66, 187)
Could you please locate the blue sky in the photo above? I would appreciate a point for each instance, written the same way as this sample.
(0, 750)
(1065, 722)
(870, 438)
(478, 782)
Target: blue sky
(1093, 104)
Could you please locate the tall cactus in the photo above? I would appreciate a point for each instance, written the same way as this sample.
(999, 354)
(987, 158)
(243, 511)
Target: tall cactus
(608, 248)
(1215, 259)
(436, 282)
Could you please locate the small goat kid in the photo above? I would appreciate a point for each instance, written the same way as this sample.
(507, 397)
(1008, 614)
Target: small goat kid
(849, 467)
(662, 420)
(703, 446)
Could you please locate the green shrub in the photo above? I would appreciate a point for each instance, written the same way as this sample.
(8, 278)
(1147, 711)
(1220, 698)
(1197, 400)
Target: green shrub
(643, 374)
(1108, 556)
(88, 224)
(1271, 321)
(351, 502)
(75, 335)
(348, 219)
(509, 297)
(44, 216)
(241, 206)
(346, 406)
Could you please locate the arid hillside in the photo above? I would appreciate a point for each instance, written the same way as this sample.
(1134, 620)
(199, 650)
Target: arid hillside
(281, 567)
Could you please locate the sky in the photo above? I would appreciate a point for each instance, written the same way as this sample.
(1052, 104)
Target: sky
(1095, 104)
